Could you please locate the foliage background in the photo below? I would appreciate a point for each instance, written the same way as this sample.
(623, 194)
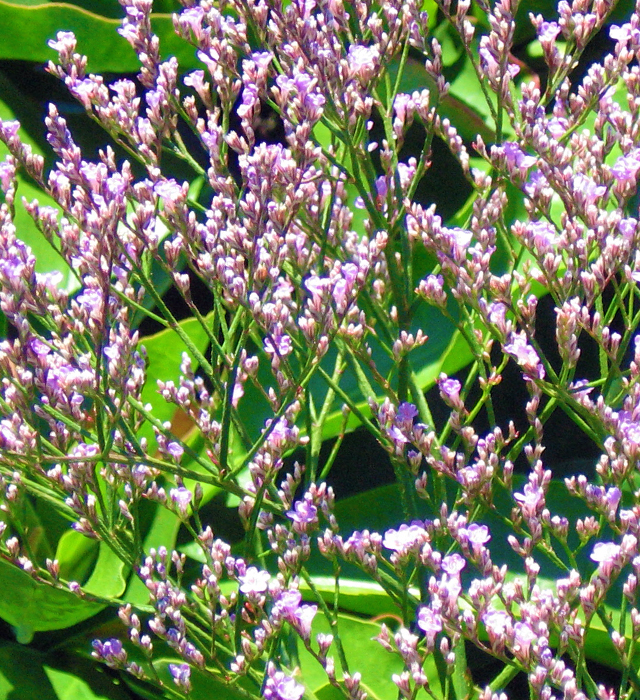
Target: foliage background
(45, 641)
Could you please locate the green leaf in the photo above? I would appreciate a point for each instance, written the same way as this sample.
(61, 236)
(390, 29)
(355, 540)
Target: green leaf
(29, 606)
(364, 655)
(76, 555)
(22, 676)
(26, 674)
(97, 36)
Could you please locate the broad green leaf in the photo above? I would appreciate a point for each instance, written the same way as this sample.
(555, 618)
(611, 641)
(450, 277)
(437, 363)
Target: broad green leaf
(22, 676)
(363, 653)
(108, 577)
(26, 674)
(29, 606)
(76, 555)
(86, 682)
(97, 36)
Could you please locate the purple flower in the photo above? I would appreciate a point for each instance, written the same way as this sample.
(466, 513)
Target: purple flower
(475, 534)
(288, 602)
(497, 622)
(254, 582)
(363, 61)
(543, 236)
(605, 552)
(429, 622)
(532, 500)
(405, 537)
(175, 449)
(516, 157)
(449, 390)
(523, 636)
(406, 412)
(302, 620)
(182, 498)
(304, 515)
(278, 345)
(181, 675)
(625, 169)
(278, 686)
(557, 126)
(586, 189)
(536, 184)
(548, 31)
(453, 564)
(525, 355)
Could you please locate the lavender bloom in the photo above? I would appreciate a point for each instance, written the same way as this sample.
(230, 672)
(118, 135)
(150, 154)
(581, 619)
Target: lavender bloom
(254, 582)
(182, 499)
(181, 674)
(605, 552)
(625, 169)
(405, 538)
(430, 622)
(304, 516)
(525, 355)
(279, 686)
(363, 62)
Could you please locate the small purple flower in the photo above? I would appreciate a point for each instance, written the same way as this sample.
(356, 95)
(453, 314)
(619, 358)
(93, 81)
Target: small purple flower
(304, 515)
(516, 157)
(523, 637)
(453, 564)
(429, 622)
(497, 622)
(625, 169)
(405, 537)
(557, 127)
(302, 620)
(182, 498)
(254, 582)
(536, 184)
(587, 190)
(288, 602)
(605, 552)
(474, 534)
(450, 390)
(175, 449)
(181, 675)
(548, 31)
(363, 61)
(278, 345)
(543, 236)
(278, 686)
(532, 500)
(525, 355)
(406, 412)
(111, 652)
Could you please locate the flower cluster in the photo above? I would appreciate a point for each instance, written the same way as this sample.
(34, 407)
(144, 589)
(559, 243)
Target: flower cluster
(336, 297)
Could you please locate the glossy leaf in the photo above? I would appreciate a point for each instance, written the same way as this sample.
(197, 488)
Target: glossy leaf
(97, 36)
(29, 606)
(76, 555)
(363, 653)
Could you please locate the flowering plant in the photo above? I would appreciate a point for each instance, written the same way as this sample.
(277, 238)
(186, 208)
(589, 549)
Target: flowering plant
(169, 455)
